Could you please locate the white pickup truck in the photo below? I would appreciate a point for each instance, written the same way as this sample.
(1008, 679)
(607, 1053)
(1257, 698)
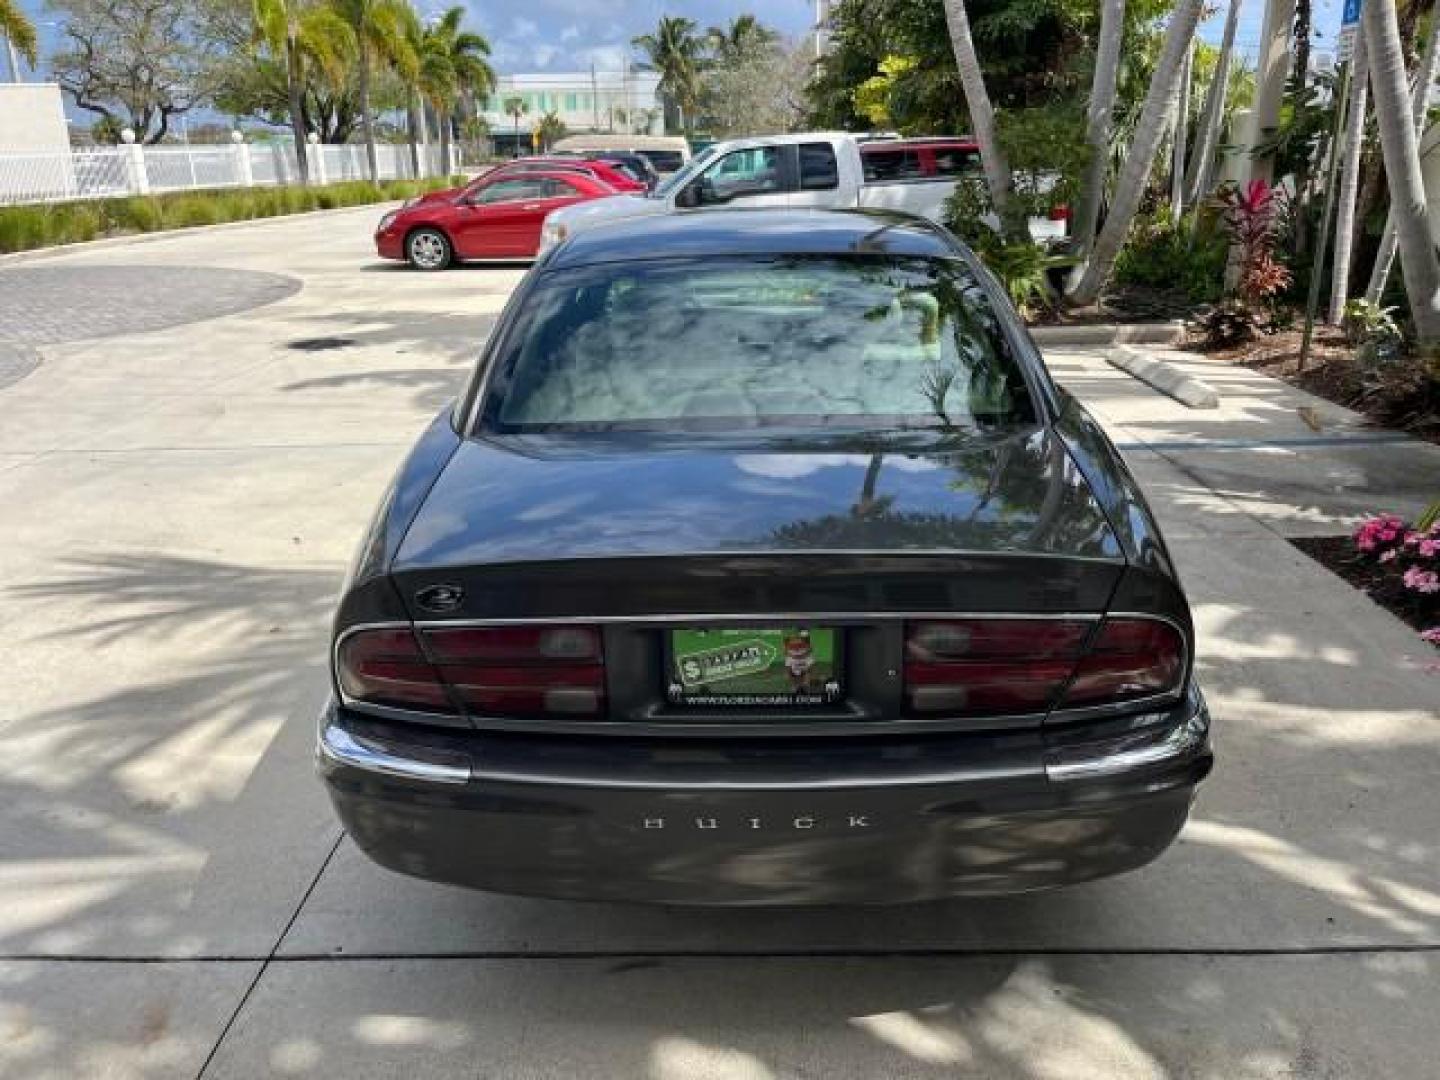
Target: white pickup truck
(825, 170)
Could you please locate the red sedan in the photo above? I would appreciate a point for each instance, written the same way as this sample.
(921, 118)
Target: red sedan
(595, 168)
(496, 217)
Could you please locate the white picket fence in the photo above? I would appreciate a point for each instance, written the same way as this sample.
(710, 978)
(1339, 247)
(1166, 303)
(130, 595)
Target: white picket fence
(104, 172)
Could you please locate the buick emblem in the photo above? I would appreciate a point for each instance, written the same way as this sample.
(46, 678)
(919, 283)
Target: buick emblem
(440, 598)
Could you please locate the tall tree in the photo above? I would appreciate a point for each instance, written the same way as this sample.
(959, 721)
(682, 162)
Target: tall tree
(454, 62)
(19, 31)
(379, 29)
(745, 35)
(1212, 115)
(1352, 148)
(1401, 149)
(139, 62)
(515, 108)
(677, 53)
(1089, 278)
(1419, 104)
(1100, 121)
(300, 34)
(982, 124)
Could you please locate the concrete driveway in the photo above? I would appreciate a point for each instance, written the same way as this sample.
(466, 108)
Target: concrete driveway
(193, 435)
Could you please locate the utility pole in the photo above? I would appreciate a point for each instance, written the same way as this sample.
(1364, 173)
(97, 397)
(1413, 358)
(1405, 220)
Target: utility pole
(594, 98)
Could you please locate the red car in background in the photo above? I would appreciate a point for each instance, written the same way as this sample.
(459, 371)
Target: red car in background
(496, 217)
(617, 176)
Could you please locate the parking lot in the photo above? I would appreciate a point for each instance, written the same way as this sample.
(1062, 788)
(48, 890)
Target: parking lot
(194, 430)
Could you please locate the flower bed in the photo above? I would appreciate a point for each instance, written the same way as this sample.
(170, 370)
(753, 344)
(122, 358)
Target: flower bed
(1395, 563)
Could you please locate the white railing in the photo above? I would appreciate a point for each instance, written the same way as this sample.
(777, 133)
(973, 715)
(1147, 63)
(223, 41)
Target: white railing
(106, 172)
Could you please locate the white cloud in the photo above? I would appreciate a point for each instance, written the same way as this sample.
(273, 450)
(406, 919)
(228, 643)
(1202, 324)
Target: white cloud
(543, 54)
(524, 28)
(570, 33)
(604, 57)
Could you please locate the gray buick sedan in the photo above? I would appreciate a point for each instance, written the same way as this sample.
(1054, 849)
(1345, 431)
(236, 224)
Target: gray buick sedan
(762, 561)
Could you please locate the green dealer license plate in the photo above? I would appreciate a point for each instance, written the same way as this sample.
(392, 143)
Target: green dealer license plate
(751, 666)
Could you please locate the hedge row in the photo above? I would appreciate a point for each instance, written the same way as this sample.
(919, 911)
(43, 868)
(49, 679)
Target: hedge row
(25, 227)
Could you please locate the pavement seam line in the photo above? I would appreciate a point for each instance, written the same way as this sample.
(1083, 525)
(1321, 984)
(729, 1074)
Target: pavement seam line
(1258, 952)
(265, 963)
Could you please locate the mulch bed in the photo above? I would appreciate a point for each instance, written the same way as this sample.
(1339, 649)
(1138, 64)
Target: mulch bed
(1338, 555)
(1400, 395)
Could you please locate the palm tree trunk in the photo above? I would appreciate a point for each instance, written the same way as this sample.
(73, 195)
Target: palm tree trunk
(1100, 121)
(1350, 148)
(442, 121)
(367, 125)
(1181, 135)
(1419, 102)
(412, 132)
(982, 123)
(295, 77)
(1090, 278)
(1212, 117)
(1398, 142)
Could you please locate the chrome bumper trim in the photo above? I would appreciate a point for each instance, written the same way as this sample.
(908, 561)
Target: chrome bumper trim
(1138, 750)
(339, 746)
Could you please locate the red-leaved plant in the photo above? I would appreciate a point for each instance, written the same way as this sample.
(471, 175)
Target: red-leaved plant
(1251, 215)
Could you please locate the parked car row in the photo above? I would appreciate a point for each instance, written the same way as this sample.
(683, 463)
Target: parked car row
(585, 184)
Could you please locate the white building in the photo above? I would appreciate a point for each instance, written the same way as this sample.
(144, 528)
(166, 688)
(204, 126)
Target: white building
(620, 101)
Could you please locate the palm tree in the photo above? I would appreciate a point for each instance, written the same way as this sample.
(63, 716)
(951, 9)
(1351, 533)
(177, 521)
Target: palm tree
(20, 32)
(379, 27)
(1212, 115)
(744, 36)
(1351, 150)
(1090, 277)
(515, 108)
(674, 50)
(1400, 148)
(550, 129)
(1419, 105)
(454, 62)
(1100, 121)
(982, 124)
(302, 35)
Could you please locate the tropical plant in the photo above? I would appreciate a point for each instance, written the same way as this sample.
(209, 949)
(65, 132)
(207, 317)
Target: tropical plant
(1352, 150)
(380, 30)
(1186, 257)
(1089, 278)
(676, 52)
(1100, 121)
(1212, 115)
(302, 35)
(1400, 147)
(1425, 74)
(18, 28)
(744, 36)
(515, 108)
(982, 122)
(550, 129)
(453, 63)
(1252, 217)
(1370, 326)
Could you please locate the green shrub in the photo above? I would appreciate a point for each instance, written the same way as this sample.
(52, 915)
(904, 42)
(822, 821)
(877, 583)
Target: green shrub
(191, 210)
(1187, 257)
(22, 228)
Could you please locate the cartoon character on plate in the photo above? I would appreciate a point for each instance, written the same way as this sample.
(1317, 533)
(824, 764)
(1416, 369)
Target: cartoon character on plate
(799, 659)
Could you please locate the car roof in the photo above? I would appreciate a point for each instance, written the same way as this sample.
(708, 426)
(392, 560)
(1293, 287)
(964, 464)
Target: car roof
(721, 232)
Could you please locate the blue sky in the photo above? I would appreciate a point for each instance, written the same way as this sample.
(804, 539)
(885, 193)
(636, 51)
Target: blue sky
(560, 35)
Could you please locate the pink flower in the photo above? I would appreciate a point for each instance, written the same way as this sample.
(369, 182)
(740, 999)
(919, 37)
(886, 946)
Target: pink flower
(1428, 548)
(1432, 635)
(1382, 530)
(1389, 556)
(1422, 581)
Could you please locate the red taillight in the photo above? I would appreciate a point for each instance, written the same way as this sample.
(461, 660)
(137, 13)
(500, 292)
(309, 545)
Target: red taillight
(990, 667)
(1060, 213)
(386, 667)
(530, 671)
(1130, 658)
(522, 670)
(986, 667)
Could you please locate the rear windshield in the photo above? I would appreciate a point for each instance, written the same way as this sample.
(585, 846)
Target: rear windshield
(733, 344)
(665, 161)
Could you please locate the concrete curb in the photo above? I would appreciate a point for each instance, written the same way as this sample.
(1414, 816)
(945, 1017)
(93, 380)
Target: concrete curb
(59, 250)
(1169, 380)
(1162, 333)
